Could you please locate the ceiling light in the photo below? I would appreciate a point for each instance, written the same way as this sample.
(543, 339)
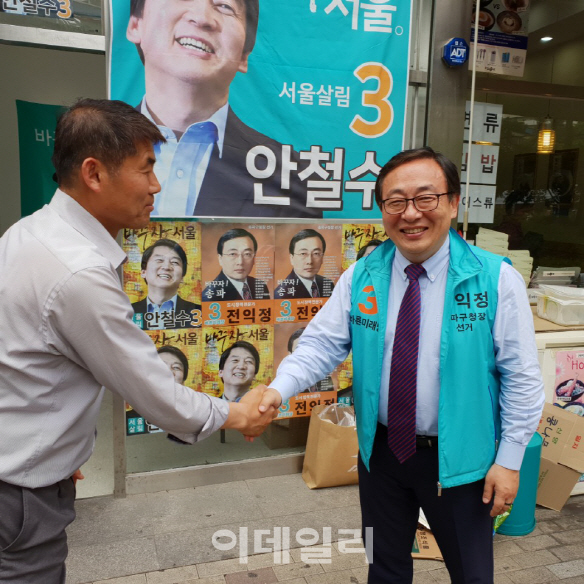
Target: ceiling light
(546, 39)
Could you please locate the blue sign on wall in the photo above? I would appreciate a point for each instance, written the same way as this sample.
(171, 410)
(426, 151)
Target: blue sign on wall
(455, 52)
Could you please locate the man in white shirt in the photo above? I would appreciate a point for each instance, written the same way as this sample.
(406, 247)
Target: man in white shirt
(446, 379)
(66, 333)
(212, 163)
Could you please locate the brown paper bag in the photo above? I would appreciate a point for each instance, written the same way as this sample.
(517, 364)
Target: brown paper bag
(331, 450)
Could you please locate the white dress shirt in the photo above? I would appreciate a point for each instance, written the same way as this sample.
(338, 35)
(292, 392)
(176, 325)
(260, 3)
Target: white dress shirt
(66, 330)
(307, 284)
(238, 285)
(326, 342)
(181, 164)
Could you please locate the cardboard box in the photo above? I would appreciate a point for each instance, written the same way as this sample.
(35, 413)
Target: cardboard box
(425, 546)
(562, 456)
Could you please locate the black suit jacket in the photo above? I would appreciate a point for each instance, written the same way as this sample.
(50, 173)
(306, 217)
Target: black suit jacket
(183, 308)
(294, 288)
(228, 188)
(259, 290)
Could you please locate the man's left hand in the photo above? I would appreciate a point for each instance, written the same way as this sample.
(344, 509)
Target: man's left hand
(503, 484)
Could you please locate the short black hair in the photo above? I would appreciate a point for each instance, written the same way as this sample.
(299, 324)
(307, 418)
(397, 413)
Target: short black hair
(426, 153)
(235, 234)
(305, 234)
(108, 130)
(243, 345)
(252, 16)
(164, 243)
(295, 335)
(179, 354)
(373, 242)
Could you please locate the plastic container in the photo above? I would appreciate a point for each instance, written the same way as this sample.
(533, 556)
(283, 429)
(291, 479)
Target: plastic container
(521, 520)
(561, 304)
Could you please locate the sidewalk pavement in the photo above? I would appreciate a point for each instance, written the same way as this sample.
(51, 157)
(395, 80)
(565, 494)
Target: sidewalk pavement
(166, 538)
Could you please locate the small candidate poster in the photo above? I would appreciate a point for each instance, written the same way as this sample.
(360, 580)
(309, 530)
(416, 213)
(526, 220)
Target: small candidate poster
(162, 276)
(569, 385)
(286, 340)
(181, 351)
(503, 31)
(238, 273)
(236, 359)
(269, 109)
(307, 267)
(359, 240)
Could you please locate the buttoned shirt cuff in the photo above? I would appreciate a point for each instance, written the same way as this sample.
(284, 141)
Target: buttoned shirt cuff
(285, 385)
(217, 418)
(510, 455)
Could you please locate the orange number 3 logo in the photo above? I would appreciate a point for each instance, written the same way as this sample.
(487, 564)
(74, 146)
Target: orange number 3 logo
(371, 301)
(375, 99)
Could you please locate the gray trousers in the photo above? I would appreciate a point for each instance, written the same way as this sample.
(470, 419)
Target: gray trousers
(33, 542)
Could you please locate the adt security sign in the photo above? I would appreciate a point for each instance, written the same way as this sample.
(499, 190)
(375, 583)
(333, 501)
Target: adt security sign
(455, 52)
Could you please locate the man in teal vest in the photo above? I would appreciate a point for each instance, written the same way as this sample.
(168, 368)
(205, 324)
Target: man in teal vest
(447, 385)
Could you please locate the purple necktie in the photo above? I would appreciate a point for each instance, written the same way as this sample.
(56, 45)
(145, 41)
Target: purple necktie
(401, 404)
(246, 292)
(314, 290)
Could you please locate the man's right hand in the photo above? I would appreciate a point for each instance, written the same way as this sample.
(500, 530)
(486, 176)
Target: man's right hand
(246, 416)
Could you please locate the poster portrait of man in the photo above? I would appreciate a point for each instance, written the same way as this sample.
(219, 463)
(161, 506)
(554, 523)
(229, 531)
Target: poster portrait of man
(212, 164)
(307, 249)
(236, 252)
(163, 267)
(238, 366)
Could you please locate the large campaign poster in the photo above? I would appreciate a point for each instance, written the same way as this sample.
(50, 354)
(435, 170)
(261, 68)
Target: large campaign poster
(269, 109)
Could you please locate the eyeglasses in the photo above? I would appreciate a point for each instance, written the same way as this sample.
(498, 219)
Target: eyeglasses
(233, 255)
(422, 203)
(316, 255)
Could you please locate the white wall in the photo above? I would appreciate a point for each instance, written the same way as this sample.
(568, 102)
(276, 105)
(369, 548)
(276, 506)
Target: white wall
(42, 76)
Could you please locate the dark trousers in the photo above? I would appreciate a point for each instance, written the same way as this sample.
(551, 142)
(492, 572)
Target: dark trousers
(391, 495)
(33, 542)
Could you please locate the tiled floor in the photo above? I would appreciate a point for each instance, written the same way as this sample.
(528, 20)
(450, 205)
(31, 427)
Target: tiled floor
(171, 538)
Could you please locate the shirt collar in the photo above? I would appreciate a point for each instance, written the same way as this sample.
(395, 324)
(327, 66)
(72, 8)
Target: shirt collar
(433, 265)
(219, 118)
(87, 225)
(156, 307)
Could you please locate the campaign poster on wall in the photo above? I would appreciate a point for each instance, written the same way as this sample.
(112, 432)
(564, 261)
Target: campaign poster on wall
(334, 387)
(238, 273)
(307, 267)
(59, 9)
(269, 109)
(236, 359)
(162, 276)
(502, 38)
(359, 240)
(287, 336)
(181, 351)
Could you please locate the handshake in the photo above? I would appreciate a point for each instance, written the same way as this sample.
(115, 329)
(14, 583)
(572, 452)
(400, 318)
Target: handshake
(254, 411)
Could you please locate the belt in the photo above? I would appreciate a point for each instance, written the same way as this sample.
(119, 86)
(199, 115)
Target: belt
(426, 441)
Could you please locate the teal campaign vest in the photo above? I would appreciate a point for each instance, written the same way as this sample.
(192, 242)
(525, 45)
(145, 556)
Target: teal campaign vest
(468, 411)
